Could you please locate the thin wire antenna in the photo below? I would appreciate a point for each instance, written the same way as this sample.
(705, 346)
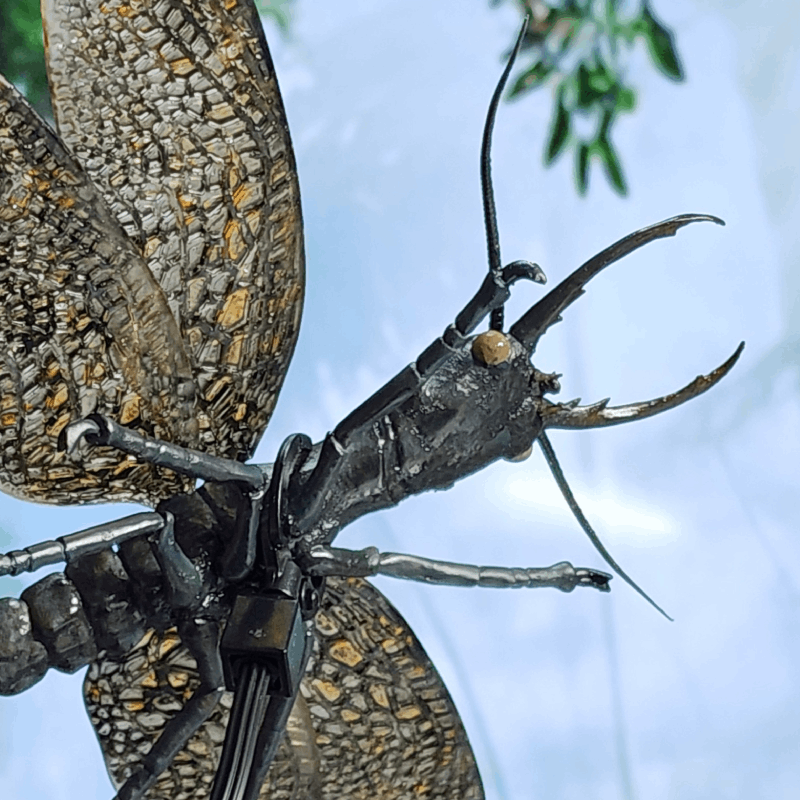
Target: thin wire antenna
(489, 210)
(555, 468)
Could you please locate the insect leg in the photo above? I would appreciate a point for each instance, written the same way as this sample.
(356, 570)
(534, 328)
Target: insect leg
(74, 545)
(184, 586)
(324, 560)
(100, 430)
(202, 639)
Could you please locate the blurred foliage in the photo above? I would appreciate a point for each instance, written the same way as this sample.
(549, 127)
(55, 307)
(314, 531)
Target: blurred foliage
(279, 10)
(22, 50)
(576, 46)
(581, 49)
(22, 45)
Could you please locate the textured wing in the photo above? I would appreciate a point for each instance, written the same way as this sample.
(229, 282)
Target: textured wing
(174, 109)
(386, 725)
(373, 719)
(84, 327)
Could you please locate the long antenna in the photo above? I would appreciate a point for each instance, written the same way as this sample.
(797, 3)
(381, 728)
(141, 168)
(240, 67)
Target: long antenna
(555, 468)
(489, 211)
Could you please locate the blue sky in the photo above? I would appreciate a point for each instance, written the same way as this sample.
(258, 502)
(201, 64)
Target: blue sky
(386, 103)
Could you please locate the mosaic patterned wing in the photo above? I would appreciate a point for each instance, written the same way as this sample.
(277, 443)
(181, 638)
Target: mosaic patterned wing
(173, 107)
(373, 718)
(84, 328)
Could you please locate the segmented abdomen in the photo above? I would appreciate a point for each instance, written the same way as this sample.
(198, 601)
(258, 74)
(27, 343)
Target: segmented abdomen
(63, 621)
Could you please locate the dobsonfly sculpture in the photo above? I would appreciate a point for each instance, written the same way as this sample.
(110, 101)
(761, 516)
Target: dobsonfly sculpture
(151, 260)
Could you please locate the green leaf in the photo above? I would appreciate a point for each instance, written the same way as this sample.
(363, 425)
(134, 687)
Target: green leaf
(601, 78)
(278, 10)
(582, 168)
(626, 99)
(661, 44)
(22, 50)
(612, 166)
(532, 78)
(586, 93)
(559, 133)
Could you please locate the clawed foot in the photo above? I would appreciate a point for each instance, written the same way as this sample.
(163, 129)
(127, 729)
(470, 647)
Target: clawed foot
(568, 577)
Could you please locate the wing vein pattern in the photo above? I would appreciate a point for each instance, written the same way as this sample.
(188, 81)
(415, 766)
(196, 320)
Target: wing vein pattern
(373, 718)
(173, 108)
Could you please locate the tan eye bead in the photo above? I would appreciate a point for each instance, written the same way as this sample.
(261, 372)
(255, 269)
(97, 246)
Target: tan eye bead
(491, 347)
(525, 454)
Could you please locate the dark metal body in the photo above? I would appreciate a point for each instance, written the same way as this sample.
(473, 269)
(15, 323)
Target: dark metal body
(236, 587)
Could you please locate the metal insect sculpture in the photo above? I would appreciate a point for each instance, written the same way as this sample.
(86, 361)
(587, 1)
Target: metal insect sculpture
(151, 263)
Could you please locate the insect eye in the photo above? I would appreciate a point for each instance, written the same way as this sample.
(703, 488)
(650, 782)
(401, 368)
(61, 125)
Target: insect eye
(523, 456)
(491, 347)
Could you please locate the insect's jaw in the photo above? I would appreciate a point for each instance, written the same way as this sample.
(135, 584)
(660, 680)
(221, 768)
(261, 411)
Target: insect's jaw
(533, 324)
(601, 415)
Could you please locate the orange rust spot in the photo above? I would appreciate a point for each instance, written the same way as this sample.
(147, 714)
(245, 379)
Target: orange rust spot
(126, 11)
(241, 412)
(99, 371)
(277, 173)
(124, 466)
(19, 202)
(82, 323)
(53, 369)
(234, 308)
(378, 693)
(220, 112)
(217, 387)
(409, 712)
(344, 652)
(8, 420)
(234, 354)
(328, 690)
(350, 716)
(234, 240)
(177, 679)
(229, 4)
(170, 641)
(185, 202)
(243, 194)
(254, 221)
(150, 681)
(134, 705)
(65, 202)
(55, 429)
(181, 66)
(416, 672)
(130, 409)
(57, 399)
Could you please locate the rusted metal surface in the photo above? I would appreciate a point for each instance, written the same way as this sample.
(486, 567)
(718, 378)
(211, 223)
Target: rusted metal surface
(174, 110)
(84, 328)
(151, 260)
